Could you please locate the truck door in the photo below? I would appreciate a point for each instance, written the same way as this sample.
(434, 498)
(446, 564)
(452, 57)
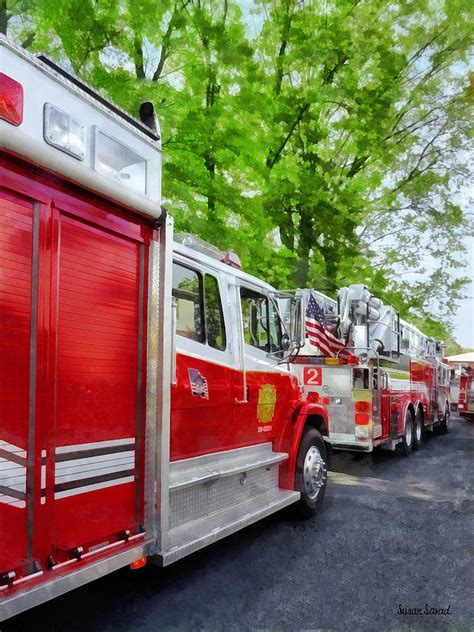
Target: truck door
(260, 411)
(389, 424)
(201, 399)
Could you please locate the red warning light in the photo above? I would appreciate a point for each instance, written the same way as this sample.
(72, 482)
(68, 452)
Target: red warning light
(11, 100)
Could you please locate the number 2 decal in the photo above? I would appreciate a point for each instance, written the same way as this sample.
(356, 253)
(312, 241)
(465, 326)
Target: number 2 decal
(312, 376)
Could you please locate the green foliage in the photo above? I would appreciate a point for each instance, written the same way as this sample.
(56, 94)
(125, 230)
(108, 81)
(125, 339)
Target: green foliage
(453, 347)
(326, 142)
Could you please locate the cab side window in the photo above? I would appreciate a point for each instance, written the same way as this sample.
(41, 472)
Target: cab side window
(215, 328)
(199, 314)
(188, 292)
(255, 318)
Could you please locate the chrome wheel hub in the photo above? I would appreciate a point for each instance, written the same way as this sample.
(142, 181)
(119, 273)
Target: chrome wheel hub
(408, 433)
(314, 472)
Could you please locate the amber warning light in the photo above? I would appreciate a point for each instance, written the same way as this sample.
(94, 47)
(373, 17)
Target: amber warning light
(11, 100)
(140, 563)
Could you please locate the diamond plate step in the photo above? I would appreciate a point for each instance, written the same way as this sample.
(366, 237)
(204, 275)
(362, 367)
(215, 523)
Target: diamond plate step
(211, 467)
(197, 534)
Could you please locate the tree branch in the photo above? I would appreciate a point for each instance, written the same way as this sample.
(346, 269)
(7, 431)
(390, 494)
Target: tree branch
(281, 53)
(273, 159)
(165, 42)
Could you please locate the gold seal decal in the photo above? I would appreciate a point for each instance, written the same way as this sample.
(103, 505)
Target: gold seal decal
(267, 398)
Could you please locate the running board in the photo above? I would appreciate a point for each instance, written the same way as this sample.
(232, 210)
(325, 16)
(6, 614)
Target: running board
(206, 485)
(192, 536)
(211, 467)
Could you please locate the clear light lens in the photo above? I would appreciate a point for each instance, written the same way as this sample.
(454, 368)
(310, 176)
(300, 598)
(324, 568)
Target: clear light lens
(362, 432)
(63, 131)
(119, 162)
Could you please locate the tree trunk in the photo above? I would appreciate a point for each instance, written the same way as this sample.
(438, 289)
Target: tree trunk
(287, 229)
(3, 17)
(138, 50)
(305, 244)
(211, 198)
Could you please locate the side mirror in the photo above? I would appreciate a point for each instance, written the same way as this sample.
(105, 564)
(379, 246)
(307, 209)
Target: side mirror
(298, 325)
(285, 342)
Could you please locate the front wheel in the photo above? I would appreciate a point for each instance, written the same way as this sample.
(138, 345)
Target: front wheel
(311, 472)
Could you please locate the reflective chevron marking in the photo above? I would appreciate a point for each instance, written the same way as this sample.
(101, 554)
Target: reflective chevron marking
(43, 477)
(91, 466)
(12, 475)
(79, 469)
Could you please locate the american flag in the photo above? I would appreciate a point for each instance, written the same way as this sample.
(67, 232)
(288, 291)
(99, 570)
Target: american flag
(198, 382)
(318, 332)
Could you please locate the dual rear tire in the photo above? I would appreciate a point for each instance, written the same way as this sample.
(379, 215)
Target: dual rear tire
(406, 444)
(418, 430)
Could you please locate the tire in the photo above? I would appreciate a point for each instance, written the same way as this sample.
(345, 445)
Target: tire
(406, 443)
(418, 430)
(311, 473)
(444, 423)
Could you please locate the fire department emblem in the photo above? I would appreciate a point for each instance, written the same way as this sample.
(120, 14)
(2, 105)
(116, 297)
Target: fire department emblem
(267, 398)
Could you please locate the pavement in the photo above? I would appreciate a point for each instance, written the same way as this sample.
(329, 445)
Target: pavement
(393, 541)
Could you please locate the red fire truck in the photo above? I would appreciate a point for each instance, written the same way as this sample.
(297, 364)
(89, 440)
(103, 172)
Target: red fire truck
(384, 382)
(147, 404)
(466, 394)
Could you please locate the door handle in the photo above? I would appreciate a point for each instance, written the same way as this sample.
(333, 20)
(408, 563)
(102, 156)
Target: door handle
(247, 397)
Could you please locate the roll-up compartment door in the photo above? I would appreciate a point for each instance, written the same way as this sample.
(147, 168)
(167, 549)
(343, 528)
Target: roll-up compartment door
(99, 389)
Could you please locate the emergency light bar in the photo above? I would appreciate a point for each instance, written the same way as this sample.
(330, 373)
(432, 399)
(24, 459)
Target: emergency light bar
(191, 241)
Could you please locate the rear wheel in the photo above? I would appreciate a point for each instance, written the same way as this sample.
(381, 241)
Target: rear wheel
(311, 472)
(444, 423)
(418, 430)
(406, 443)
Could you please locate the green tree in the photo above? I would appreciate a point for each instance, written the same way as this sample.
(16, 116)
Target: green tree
(326, 142)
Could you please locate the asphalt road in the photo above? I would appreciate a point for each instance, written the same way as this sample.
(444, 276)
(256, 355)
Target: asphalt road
(394, 533)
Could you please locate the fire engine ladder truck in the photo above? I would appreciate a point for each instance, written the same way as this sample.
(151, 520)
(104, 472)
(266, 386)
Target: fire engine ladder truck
(375, 333)
(390, 363)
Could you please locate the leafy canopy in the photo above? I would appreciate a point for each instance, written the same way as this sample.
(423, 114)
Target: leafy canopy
(326, 142)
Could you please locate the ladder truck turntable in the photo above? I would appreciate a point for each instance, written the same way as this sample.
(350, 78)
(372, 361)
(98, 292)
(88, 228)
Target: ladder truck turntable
(387, 386)
(148, 403)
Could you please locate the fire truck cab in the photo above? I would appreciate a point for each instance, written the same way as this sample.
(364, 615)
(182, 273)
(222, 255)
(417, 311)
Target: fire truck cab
(147, 404)
(388, 384)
